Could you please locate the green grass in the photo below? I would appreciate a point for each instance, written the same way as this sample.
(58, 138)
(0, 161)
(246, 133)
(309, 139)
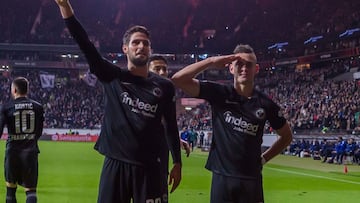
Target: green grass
(69, 172)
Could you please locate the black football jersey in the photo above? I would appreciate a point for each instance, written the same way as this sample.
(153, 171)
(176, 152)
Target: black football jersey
(24, 119)
(238, 125)
(132, 130)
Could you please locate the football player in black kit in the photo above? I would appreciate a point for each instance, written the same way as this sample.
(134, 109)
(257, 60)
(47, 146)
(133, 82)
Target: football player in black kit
(239, 113)
(24, 120)
(158, 64)
(132, 134)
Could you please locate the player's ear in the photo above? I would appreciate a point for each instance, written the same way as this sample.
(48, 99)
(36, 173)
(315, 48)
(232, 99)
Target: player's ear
(125, 49)
(257, 68)
(231, 68)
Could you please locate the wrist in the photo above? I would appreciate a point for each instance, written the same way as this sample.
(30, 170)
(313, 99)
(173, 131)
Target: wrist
(263, 160)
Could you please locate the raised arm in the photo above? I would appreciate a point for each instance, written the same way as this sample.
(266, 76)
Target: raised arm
(102, 68)
(185, 79)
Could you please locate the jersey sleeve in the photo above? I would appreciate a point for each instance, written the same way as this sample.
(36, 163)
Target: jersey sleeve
(211, 91)
(40, 121)
(171, 128)
(103, 69)
(275, 116)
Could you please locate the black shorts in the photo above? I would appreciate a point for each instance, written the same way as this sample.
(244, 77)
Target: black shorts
(236, 190)
(121, 182)
(22, 169)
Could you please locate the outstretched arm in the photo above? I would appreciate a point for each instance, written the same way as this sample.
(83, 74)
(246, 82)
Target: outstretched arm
(102, 68)
(185, 79)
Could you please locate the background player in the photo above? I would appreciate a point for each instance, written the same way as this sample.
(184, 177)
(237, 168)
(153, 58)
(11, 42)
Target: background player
(24, 120)
(158, 64)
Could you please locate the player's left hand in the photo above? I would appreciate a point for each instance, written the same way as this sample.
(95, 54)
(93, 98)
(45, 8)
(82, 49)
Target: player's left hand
(175, 176)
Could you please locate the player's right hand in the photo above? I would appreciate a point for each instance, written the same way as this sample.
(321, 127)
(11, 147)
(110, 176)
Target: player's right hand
(224, 61)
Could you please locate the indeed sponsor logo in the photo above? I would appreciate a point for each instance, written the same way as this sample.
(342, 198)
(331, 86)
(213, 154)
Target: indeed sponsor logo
(138, 104)
(240, 124)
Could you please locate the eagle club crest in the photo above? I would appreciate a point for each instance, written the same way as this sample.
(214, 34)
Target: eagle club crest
(157, 92)
(260, 113)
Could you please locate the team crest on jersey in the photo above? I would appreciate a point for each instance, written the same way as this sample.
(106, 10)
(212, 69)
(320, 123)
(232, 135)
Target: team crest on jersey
(260, 113)
(157, 92)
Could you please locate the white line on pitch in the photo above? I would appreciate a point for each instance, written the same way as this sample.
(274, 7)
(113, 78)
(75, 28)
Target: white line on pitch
(315, 176)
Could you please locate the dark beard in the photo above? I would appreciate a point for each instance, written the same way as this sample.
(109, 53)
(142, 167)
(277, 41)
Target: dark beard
(139, 61)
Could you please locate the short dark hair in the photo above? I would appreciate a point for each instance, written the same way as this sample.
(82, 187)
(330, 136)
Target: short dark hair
(157, 58)
(22, 85)
(132, 30)
(244, 48)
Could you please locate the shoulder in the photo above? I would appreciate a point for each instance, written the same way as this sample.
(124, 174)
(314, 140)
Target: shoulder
(265, 99)
(37, 104)
(161, 81)
(215, 86)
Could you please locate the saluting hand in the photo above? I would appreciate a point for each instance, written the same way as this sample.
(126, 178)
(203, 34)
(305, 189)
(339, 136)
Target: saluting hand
(224, 61)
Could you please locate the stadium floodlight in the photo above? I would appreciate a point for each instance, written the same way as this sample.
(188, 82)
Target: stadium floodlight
(203, 56)
(278, 46)
(349, 32)
(313, 39)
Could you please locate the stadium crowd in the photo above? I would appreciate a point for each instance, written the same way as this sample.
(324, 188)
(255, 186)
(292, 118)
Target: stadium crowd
(311, 99)
(193, 26)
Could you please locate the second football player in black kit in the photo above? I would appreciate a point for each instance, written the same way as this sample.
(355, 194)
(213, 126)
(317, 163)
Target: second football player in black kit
(132, 134)
(24, 119)
(239, 113)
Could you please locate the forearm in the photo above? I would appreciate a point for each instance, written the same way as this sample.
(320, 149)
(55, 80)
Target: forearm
(186, 77)
(65, 7)
(66, 12)
(174, 148)
(192, 70)
(104, 70)
(172, 132)
(285, 137)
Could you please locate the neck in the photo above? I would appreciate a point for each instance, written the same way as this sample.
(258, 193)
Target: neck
(18, 96)
(245, 90)
(141, 71)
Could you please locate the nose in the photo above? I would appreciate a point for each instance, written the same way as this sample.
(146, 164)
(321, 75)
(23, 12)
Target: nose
(141, 45)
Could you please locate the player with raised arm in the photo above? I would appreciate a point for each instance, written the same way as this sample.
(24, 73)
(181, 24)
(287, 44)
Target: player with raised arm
(158, 64)
(132, 133)
(239, 113)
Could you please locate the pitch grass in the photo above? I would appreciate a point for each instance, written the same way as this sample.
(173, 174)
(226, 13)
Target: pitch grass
(69, 173)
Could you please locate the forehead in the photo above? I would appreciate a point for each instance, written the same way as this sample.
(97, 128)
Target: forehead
(139, 36)
(249, 57)
(158, 63)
